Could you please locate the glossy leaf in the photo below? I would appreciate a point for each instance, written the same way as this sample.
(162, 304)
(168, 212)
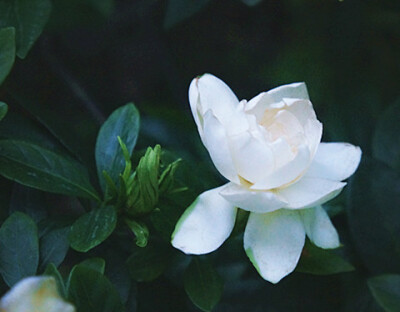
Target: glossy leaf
(92, 228)
(90, 290)
(123, 123)
(386, 140)
(318, 261)
(386, 291)
(7, 53)
(28, 17)
(203, 284)
(19, 252)
(373, 216)
(40, 168)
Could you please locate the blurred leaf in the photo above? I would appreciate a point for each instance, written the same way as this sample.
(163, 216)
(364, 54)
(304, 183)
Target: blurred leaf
(386, 290)
(3, 106)
(92, 228)
(148, 263)
(28, 17)
(29, 201)
(123, 122)
(54, 246)
(19, 252)
(91, 291)
(373, 214)
(179, 10)
(203, 284)
(386, 140)
(52, 270)
(105, 7)
(37, 167)
(7, 52)
(96, 264)
(318, 261)
(251, 3)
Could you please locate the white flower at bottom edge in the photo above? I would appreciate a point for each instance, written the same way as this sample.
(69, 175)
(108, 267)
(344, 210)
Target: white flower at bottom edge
(269, 149)
(34, 294)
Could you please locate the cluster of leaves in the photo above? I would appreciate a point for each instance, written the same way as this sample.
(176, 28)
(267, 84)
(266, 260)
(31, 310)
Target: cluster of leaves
(101, 226)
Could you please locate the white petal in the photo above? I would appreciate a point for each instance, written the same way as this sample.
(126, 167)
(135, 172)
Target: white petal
(205, 225)
(286, 174)
(255, 201)
(273, 241)
(297, 90)
(216, 142)
(211, 93)
(34, 294)
(335, 161)
(310, 192)
(319, 227)
(252, 157)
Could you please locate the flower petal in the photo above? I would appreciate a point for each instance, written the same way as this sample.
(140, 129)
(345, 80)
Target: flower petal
(252, 157)
(208, 92)
(273, 241)
(35, 294)
(205, 225)
(254, 201)
(335, 161)
(319, 227)
(310, 192)
(216, 142)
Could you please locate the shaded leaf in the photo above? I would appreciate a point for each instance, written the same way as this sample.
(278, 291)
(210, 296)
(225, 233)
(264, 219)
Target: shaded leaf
(19, 252)
(29, 201)
(52, 270)
(203, 284)
(386, 291)
(37, 167)
(28, 17)
(92, 228)
(123, 122)
(7, 54)
(96, 264)
(54, 246)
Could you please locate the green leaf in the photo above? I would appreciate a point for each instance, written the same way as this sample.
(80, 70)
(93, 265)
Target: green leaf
(179, 10)
(19, 252)
(146, 264)
(51, 270)
(386, 291)
(28, 17)
(318, 261)
(40, 168)
(386, 140)
(203, 284)
(140, 231)
(54, 246)
(96, 264)
(373, 214)
(92, 228)
(123, 122)
(3, 106)
(90, 291)
(7, 52)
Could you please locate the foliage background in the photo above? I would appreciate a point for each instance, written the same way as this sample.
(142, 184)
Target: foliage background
(94, 56)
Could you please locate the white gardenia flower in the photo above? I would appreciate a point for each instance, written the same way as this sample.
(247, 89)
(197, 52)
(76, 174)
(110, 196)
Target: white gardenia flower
(269, 149)
(34, 294)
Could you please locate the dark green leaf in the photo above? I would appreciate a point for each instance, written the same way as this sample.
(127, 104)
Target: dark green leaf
(28, 17)
(203, 284)
(7, 52)
(179, 10)
(52, 270)
(19, 252)
(320, 261)
(37, 167)
(3, 106)
(140, 231)
(386, 290)
(386, 140)
(146, 264)
(90, 291)
(373, 214)
(93, 228)
(105, 7)
(29, 201)
(96, 264)
(54, 246)
(123, 122)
